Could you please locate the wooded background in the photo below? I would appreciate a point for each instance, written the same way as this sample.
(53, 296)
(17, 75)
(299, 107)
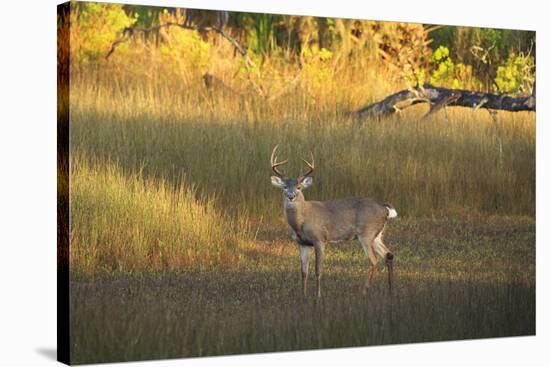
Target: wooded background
(267, 54)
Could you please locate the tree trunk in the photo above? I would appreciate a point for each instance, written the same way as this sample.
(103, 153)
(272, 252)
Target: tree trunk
(442, 97)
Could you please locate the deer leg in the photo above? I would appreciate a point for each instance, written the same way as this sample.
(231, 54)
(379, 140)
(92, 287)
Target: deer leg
(304, 259)
(384, 253)
(318, 260)
(389, 264)
(369, 251)
(370, 275)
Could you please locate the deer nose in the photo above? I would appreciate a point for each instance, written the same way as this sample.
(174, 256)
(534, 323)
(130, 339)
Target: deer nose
(291, 195)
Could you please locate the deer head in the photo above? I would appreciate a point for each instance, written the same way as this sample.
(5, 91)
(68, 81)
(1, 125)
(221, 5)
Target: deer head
(292, 187)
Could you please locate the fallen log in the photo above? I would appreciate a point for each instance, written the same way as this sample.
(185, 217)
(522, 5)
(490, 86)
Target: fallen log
(439, 98)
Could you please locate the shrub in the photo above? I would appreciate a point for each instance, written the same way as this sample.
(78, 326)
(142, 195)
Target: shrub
(94, 27)
(516, 75)
(317, 68)
(183, 47)
(445, 73)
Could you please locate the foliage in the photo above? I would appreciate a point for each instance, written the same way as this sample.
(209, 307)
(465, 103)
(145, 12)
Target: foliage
(446, 73)
(485, 49)
(185, 49)
(94, 27)
(146, 16)
(261, 36)
(279, 45)
(317, 68)
(516, 75)
(404, 47)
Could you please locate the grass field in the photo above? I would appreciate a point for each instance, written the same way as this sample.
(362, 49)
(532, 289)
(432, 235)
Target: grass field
(179, 245)
(454, 280)
(164, 173)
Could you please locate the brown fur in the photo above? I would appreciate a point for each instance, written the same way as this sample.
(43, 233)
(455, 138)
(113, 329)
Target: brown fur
(316, 223)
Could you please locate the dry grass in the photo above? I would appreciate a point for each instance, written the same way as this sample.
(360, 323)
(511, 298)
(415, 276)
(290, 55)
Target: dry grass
(468, 166)
(128, 224)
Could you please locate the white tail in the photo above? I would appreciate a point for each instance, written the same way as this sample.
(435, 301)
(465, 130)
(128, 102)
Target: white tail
(392, 213)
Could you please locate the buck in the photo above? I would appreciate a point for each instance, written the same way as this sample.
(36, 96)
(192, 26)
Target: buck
(316, 223)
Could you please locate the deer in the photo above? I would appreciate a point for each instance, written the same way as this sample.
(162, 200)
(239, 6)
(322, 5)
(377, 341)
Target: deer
(313, 224)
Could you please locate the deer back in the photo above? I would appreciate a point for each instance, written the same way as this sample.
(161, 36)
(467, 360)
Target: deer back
(338, 220)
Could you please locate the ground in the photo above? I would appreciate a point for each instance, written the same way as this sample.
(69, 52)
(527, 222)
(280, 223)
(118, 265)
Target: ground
(454, 279)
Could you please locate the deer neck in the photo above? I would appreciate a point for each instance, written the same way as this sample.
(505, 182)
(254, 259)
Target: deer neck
(295, 213)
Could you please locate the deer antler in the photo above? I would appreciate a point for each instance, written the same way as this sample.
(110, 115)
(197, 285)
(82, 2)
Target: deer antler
(275, 164)
(311, 167)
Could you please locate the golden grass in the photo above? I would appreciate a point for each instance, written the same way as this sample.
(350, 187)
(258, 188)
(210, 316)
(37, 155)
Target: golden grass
(186, 168)
(129, 223)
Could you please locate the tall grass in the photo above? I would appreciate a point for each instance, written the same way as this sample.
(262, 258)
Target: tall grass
(423, 168)
(130, 223)
(184, 191)
(186, 167)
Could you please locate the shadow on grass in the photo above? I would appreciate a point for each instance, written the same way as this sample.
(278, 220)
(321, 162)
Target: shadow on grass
(227, 312)
(231, 161)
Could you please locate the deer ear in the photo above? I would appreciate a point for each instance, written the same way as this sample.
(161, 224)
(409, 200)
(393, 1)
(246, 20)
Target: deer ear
(307, 182)
(278, 182)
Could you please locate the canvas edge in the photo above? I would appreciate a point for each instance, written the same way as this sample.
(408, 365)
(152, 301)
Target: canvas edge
(63, 225)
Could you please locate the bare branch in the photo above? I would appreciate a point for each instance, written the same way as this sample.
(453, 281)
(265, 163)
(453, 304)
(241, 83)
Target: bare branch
(128, 31)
